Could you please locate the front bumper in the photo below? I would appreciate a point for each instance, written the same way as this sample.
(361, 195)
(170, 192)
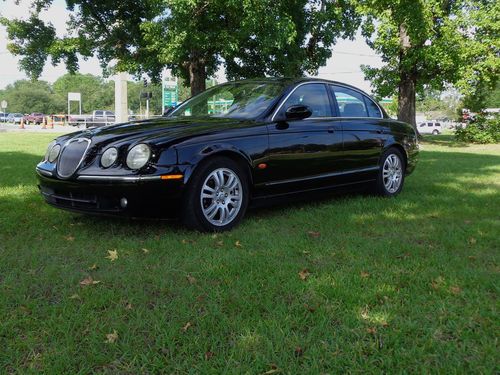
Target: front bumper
(132, 196)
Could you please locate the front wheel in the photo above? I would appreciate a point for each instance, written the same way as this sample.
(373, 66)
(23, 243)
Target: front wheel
(217, 196)
(435, 132)
(391, 174)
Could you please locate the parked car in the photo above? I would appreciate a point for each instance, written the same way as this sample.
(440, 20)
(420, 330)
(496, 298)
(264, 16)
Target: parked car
(3, 117)
(34, 118)
(98, 118)
(430, 127)
(209, 159)
(15, 118)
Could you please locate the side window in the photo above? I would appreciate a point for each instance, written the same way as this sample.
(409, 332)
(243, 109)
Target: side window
(430, 124)
(438, 124)
(98, 113)
(315, 96)
(422, 125)
(351, 103)
(373, 109)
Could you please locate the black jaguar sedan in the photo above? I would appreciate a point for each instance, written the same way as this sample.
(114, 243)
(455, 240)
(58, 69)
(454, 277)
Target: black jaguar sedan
(234, 144)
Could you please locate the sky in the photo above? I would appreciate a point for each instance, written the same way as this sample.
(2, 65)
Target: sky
(344, 66)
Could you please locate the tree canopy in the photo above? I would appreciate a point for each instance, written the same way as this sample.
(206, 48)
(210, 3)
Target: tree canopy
(432, 44)
(191, 37)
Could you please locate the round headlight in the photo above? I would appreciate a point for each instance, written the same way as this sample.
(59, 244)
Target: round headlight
(49, 147)
(54, 153)
(138, 156)
(108, 157)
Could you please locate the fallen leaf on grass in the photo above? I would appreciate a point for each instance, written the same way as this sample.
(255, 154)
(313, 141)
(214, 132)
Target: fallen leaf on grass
(403, 256)
(313, 234)
(75, 296)
(274, 370)
(220, 243)
(238, 244)
(472, 241)
(188, 241)
(192, 280)
(371, 330)
(186, 326)
(209, 355)
(299, 352)
(69, 238)
(128, 306)
(310, 308)
(111, 337)
(472, 257)
(455, 290)
(93, 267)
(113, 255)
(304, 274)
(364, 274)
(435, 284)
(145, 251)
(89, 281)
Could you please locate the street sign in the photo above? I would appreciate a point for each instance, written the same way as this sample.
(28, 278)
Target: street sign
(4, 104)
(170, 90)
(76, 96)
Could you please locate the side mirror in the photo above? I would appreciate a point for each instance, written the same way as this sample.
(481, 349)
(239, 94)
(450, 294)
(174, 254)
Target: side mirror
(298, 112)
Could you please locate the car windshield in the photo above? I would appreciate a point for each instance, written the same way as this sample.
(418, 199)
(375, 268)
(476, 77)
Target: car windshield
(232, 100)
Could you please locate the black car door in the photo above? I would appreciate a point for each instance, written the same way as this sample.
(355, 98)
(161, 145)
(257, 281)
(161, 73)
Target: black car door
(303, 153)
(364, 129)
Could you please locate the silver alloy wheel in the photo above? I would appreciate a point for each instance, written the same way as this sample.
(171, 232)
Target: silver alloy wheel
(392, 173)
(221, 196)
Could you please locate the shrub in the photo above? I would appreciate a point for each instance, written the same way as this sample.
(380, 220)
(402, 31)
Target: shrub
(481, 130)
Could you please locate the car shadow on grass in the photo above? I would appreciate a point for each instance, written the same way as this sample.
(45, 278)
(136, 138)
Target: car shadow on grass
(432, 181)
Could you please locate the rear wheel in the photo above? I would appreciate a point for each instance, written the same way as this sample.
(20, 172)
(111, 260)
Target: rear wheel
(217, 196)
(435, 132)
(391, 175)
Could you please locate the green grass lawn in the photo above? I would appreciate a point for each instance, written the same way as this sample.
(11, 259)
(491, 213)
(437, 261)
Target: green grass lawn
(406, 285)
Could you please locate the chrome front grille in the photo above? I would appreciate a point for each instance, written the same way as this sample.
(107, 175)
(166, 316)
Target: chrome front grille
(72, 156)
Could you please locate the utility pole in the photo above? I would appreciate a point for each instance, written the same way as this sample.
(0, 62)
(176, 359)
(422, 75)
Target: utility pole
(121, 102)
(147, 97)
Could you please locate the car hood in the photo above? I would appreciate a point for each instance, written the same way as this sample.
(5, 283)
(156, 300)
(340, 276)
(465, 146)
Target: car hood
(161, 131)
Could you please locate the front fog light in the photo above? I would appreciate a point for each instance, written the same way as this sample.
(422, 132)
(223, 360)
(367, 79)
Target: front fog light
(54, 153)
(124, 202)
(108, 157)
(138, 156)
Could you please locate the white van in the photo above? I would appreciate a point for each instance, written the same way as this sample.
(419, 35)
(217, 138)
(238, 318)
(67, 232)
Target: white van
(429, 127)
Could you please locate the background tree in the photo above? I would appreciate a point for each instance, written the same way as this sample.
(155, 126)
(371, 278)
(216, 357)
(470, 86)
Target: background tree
(427, 44)
(25, 97)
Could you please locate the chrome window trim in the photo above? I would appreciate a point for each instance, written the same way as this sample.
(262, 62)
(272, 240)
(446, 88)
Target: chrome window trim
(81, 160)
(364, 95)
(291, 92)
(329, 117)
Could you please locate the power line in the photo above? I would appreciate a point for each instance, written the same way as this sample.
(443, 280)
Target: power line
(355, 54)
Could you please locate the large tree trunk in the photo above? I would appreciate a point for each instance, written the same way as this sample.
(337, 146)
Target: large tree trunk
(197, 76)
(407, 82)
(407, 99)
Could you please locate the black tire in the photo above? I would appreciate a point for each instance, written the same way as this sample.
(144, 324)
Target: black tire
(435, 132)
(192, 212)
(380, 185)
